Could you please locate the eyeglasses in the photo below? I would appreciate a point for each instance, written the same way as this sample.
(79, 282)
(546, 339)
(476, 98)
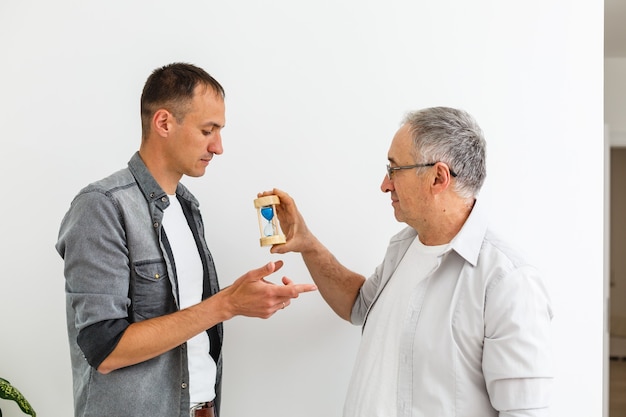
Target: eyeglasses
(391, 170)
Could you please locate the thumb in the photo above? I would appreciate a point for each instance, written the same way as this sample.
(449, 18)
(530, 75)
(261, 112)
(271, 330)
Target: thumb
(265, 270)
(280, 248)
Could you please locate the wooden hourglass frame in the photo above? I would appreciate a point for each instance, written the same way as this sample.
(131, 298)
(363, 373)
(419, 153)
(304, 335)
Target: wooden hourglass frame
(268, 222)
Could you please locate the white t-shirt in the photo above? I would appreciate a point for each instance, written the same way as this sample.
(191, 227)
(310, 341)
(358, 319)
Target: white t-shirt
(379, 354)
(202, 368)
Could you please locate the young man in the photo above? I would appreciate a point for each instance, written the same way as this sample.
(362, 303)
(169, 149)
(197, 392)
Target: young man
(144, 308)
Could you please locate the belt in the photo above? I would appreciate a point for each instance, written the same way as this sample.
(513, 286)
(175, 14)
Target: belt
(203, 410)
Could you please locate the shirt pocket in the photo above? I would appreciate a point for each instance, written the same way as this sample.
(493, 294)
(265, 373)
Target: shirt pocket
(151, 289)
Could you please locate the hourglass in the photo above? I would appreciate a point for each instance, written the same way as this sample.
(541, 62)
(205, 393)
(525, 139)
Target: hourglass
(268, 223)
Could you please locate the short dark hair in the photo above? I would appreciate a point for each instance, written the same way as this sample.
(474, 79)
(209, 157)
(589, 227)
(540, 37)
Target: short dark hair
(172, 87)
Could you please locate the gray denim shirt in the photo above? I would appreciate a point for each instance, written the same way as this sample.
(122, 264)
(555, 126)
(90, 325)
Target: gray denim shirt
(119, 270)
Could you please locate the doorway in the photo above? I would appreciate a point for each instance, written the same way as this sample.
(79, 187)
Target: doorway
(617, 283)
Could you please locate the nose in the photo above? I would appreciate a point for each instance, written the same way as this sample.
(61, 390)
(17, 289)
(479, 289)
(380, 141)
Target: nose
(215, 146)
(387, 185)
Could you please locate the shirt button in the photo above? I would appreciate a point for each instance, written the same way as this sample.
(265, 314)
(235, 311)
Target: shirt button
(157, 276)
(155, 224)
(164, 199)
(183, 385)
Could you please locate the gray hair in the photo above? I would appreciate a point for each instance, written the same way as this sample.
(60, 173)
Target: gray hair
(452, 136)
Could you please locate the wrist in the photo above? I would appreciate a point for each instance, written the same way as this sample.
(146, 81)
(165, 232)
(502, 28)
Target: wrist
(216, 308)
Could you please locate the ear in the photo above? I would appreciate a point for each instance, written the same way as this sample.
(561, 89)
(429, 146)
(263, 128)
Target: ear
(442, 178)
(162, 122)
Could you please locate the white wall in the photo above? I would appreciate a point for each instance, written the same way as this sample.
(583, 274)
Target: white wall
(315, 91)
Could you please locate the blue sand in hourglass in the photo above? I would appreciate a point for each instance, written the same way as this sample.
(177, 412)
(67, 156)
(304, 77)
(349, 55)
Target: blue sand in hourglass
(268, 214)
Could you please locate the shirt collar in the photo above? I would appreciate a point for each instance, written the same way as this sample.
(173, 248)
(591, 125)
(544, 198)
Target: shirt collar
(468, 241)
(147, 184)
(150, 188)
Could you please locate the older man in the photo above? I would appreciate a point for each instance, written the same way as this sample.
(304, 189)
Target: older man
(455, 323)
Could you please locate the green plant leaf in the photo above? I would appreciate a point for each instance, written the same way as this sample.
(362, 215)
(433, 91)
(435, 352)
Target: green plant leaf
(9, 392)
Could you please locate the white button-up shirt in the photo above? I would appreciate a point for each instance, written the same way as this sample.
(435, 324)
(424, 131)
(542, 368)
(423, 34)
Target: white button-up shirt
(471, 336)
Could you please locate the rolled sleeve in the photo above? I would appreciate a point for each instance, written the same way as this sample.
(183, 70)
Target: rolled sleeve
(517, 357)
(92, 244)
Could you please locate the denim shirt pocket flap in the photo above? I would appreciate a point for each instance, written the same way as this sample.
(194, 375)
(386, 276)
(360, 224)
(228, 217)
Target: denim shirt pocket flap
(151, 270)
(151, 290)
